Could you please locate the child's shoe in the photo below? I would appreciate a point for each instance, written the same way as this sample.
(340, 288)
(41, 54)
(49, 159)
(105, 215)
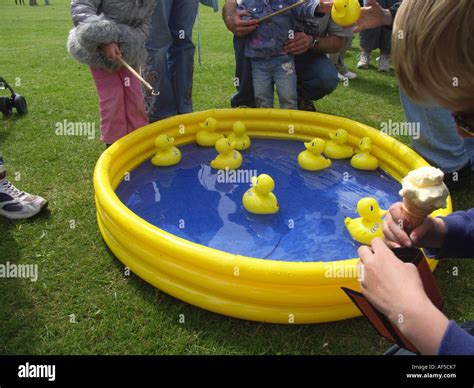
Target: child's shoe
(384, 63)
(364, 61)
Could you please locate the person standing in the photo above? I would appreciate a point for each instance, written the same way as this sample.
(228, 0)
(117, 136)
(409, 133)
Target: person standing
(170, 64)
(106, 31)
(315, 37)
(439, 146)
(376, 38)
(393, 287)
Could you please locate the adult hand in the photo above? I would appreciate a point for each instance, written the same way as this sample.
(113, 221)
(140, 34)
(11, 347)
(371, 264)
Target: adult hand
(430, 234)
(373, 16)
(299, 44)
(111, 51)
(238, 26)
(396, 290)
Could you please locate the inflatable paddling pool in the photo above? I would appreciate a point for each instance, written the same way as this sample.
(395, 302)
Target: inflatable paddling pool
(183, 228)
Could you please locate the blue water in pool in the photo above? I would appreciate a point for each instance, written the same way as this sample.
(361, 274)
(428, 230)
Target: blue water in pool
(191, 201)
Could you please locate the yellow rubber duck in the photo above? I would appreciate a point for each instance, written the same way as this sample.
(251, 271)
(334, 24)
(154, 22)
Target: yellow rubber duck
(336, 147)
(363, 160)
(228, 157)
(207, 137)
(369, 225)
(239, 136)
(311, 159)
(345, 12)
(166, 153)
(259, 199)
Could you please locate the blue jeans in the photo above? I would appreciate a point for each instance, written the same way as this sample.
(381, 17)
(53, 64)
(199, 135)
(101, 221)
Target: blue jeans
(279, 71)
(439, 142)
(317, 76)
(2, 168)
(243, 76)
(170, 63)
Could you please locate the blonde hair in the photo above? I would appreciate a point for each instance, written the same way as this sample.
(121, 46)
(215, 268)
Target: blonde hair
(433, 50)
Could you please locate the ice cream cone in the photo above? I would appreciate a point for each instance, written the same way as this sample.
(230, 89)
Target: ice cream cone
(423, 191)
(414, 214)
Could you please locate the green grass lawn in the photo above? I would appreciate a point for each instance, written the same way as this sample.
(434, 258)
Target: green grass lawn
(78, 275)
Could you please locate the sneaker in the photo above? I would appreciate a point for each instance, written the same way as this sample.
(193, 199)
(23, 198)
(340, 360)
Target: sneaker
(364, 61)
(341, 77)
(306, 105)
(16, 204)
(346, 75)
(459, 178)
(384, 63)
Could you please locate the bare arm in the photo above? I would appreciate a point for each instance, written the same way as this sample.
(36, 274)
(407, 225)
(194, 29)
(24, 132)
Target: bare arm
(233, 19)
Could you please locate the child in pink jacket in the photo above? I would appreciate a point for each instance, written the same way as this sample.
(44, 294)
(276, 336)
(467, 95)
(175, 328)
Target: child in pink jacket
(105, 30)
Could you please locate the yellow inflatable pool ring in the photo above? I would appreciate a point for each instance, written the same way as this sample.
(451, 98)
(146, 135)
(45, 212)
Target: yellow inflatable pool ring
(229, 284)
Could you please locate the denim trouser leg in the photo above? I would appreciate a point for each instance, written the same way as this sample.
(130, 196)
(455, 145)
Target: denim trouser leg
(469, 144)
(181, 54)
(379, 37)
(171, 56)
(317, 76)
(439, 142)
(2, 167)
(243, 74)
(286, 82)
(263, 83)
(279, 71)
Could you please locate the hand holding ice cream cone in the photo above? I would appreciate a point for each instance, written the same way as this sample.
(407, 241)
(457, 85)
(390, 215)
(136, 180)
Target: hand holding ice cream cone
(423, 192)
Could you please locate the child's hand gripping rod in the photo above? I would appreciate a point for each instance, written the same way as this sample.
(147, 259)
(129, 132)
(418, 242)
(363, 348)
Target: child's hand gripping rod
(139, 77)
(283, 10)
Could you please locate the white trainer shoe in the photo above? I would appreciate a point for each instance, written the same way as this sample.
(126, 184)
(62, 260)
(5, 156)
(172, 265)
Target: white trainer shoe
(364, 61)
(16, 204)
(384, 63)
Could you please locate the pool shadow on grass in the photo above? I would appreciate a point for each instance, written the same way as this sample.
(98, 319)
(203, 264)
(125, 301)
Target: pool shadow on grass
(18, 318)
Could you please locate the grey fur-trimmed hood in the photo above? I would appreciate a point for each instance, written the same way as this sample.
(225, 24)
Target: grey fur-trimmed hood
(125, 22)
(85, 39)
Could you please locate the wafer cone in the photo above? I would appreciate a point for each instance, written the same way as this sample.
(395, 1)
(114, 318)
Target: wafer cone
(414, 214)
